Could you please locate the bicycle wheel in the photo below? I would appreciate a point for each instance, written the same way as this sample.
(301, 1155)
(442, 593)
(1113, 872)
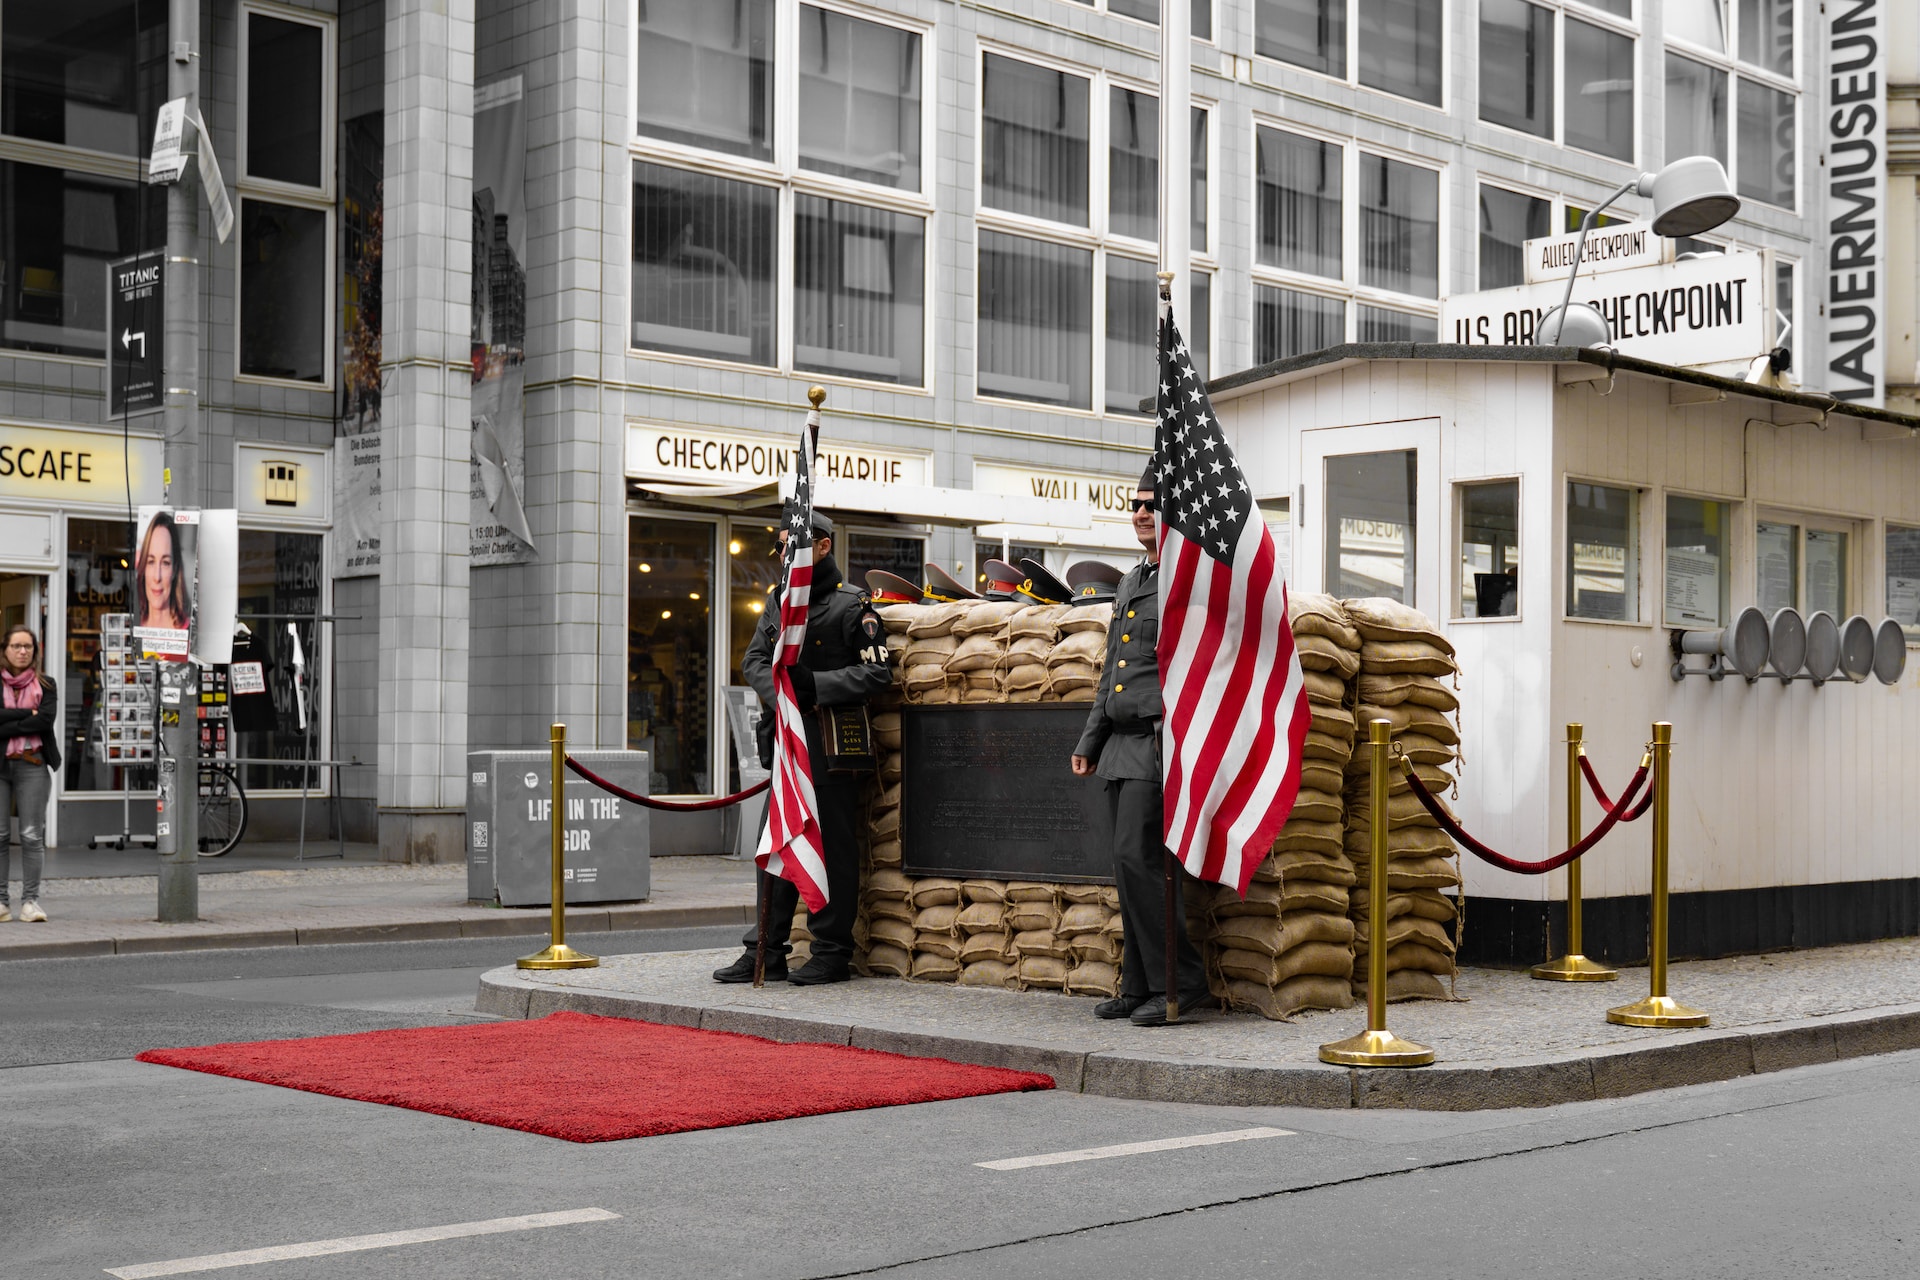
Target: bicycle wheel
(223, 810)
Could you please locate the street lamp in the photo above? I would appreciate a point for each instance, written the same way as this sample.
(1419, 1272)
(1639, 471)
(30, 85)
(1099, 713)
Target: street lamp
(1690, 196)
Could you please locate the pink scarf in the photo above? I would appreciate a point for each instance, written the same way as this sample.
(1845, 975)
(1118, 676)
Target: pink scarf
(23, 691)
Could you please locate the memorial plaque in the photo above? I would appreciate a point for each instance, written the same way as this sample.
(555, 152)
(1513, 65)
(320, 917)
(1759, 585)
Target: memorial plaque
(510, 836)
(988, 792)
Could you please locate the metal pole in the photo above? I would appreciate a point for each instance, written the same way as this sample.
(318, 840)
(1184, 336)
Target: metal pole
(1574, 966)
(1377, 1046)
(558, 955)
(180, 741)
(1657, 1010)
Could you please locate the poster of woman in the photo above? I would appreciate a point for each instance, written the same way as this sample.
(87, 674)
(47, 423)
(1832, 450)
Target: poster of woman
(163, 574)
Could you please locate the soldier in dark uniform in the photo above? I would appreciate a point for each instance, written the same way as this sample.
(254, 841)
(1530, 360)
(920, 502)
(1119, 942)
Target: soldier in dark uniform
(1121, 746)
(844, 663)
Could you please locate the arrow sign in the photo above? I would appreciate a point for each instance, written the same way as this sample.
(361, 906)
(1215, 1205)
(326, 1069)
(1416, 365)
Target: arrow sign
(136, 306)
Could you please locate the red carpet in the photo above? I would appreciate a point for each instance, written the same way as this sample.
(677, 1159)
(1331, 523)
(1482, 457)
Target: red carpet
(592, 1079)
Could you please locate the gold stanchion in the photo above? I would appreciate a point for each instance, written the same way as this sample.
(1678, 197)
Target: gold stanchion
(1657, 1010)
(1376, 1046)
(558, 955)
(1574, 966)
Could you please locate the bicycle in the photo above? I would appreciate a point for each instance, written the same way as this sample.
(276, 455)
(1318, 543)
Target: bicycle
(223, 809)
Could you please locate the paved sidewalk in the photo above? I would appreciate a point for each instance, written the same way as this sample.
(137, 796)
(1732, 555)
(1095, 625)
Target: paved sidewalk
(1509, 1041)
(331, 902)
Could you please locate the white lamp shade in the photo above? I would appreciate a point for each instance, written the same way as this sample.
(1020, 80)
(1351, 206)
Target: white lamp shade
(1692, 196)
(1581, 325)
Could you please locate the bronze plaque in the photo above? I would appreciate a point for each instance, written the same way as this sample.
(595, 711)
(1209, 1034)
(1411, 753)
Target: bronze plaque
(988, 792)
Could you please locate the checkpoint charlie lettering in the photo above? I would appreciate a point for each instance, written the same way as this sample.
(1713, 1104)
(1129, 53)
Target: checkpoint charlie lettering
(738, 459)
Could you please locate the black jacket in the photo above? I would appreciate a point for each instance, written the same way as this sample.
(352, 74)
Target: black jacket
(15, 723)
(1122, 736)
(846, 654)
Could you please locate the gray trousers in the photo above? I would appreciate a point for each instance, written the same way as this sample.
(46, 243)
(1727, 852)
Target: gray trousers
(1128, 819)
(25, 787)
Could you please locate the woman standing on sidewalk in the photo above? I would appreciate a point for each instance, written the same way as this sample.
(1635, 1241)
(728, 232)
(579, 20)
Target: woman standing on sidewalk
(29, 727)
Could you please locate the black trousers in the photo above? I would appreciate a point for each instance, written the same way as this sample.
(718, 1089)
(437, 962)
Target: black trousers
(1128, 818)
(838, 800)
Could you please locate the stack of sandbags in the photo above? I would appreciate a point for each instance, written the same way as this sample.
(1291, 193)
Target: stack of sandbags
(1073, 668)
(887, 901)
(973, 669)
(987, 957)
(1033, 920)
(1403, 657)
(1089, 930)
(936, 937)
(1286, 945)
(922, 665)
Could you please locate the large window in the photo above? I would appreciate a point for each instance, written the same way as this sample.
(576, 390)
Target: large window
(1133, 167)
(1036, 320)
(86, 75)
(1802, 563)
(58, 230)
(1508, 219)
(1516, 65)
(280, 577)
(1489, 559)
(1394, 45)
(1731, 92)
(1903, 578)
(1598, 79)
(286, 199)
(670, 588)
(1149, 11)
(1133, 350)
(1694, 593)
(1372, 513)
(1299, 218)
(1399, 227)
(1603, 552)
(1578, 89)
(843, 182)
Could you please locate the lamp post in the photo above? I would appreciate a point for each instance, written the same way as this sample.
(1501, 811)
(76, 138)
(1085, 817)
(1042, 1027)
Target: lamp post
(1691, 195)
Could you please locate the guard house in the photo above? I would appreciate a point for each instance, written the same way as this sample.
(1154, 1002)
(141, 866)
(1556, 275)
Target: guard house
(1564, 512)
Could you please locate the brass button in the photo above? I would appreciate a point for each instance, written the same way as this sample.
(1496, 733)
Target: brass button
(1129, 613)
(1123, 662)
(1117, 688)
(1125, 639)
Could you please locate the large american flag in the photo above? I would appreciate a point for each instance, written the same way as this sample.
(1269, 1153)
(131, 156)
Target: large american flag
(790, 846)
(1236, 708)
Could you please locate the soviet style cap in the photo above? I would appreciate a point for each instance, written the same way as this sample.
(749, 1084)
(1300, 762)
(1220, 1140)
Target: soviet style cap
(1039, 585)
(1003, 580)
(1093, 581)
(891, 588)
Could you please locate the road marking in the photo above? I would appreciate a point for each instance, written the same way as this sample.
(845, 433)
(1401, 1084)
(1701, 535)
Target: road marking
(1134, 1148)
(357, 1244)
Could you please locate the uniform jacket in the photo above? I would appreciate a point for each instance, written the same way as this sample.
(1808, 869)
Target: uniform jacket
(45, 721)
(846, 650)
(1122, 736)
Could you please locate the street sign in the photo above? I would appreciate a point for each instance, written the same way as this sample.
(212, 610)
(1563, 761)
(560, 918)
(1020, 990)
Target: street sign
(168, 161)
(136, 333)
(1630, 244)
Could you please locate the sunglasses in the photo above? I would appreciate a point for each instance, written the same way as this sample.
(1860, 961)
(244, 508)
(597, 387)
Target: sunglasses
(1145, 504)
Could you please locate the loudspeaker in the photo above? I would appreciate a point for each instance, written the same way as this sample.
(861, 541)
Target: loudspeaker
(1856, 648)
(1742, 646)
(1823, 646)
(1889, 651)
(1786, 643)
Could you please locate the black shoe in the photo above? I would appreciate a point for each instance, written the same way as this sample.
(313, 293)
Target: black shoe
(1118, 1007)
(1153, 1013)
(741, 970)
(818, 972)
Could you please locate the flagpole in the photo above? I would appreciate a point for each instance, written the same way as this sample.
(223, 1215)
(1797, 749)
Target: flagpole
(1176, 136)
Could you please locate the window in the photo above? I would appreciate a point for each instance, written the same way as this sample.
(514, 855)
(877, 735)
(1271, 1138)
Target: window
(906, 556)
(1603, 552)
(1516, 66)
(58, 230)
(1299, 184)
(1903, 578)
(1736, 59)
(1489, 533)
(1397, 44)
(97, 582)
(1149, 11)
(281, 573)
(1798, 565)
(1599, 90)
(1289, 323)
(1399, 226)
(84, 76)
(670, 575)
(1061, 317)
(1371, 512)
(1578, 91)
(285, 244)
(822, 219)
(1378, 324)
(1133, 327)
(1694, 593)
(1508, 219)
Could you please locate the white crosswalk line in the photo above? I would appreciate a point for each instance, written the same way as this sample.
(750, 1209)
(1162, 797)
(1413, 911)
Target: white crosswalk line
(1134, 1148)
(357, 1244)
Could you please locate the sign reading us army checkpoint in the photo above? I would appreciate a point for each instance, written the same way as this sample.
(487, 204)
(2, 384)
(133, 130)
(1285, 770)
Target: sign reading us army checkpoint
(1703, 311)
(136, 333)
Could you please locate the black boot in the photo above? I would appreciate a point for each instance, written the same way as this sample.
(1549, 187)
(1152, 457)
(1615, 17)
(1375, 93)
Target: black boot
(1118, 1007)
(741, 970)
(820, 971)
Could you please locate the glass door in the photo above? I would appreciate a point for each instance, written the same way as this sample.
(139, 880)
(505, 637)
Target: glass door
(671, 642)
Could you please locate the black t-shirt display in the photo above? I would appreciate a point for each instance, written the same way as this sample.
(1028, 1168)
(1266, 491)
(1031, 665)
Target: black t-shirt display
(253, 712)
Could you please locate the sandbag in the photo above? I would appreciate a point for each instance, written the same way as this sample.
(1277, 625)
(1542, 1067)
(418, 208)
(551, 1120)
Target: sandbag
(982, 680)
(936, 919)
(889, 884)
(1412, 717)
(1035, 693)
(1403, 984)
(929, 650)
(1313, 895)
(1313, 614)
(1322, 837)
(893, 931)
(1087, 617)
(1274, 936)
(1335, 721)
(1316, 806)
(1405, 928)
(1377, 618)
(984, 890)
(1030, 649)
(1088, 647)
(1308, 864)
(929, 967)
(936, 620)
(986, 946)
(1392, 690)
(1096, 946)
(886, 960)
(1080, 893)
(1421, 873)
(1406, 657)
(1025, 916)
(1322, 958)
(1317, 653)
(884, 853)
(1031, 891)
(1068, 677)
(975, 653)
(1324, 687)
(1308, 991)
(885, 824)
(1024, 676)
(987, 616)
(990, 973)
(1324, 746)
(1082, 917)
(921, 679)
(1084, 693)
(1043, 971)
(936, 944)
(886, 729)
(1417, 955)
(1093, 978)
(981, 917)
(1040, 942)
(1036, 620)
(896, 618)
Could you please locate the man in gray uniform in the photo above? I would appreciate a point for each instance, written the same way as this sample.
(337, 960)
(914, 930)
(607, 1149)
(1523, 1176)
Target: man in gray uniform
(844, 663)
(1121, 745)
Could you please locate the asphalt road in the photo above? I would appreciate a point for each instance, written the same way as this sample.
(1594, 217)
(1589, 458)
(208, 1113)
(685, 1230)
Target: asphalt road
(110, 1164)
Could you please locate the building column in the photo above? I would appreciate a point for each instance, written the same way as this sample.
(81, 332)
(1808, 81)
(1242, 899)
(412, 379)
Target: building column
(426, 367)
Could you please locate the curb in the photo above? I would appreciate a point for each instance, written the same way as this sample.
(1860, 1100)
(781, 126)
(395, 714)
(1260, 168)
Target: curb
(614, 920)
(1700, 1058)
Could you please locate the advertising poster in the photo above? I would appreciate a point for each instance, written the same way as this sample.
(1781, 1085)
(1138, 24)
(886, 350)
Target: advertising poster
(357, 441)
(164, 566)
(218, 571)
(499, 529)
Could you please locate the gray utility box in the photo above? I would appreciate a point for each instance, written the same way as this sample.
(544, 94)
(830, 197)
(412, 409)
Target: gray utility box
(509, 840)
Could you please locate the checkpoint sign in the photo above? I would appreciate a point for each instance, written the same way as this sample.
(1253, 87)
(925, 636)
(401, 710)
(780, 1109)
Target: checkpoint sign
(136, 333)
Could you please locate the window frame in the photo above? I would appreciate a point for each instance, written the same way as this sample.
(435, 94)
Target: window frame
(1593, 17)
(1456, 602)
(1096, 237)
(320, 659)
(1884, 529)
(1804, 521)
(1739, 515)
(1729, 65)
(330, 355)
(720, 640)
(1636, 551)
(1351, 80)
(1213, 17)
(785, 175)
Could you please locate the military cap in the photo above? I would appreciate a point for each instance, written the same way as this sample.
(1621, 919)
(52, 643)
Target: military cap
(1093, 581)
(1040, 586)
(822, 524)
(1149, 480)
(1003, 580)
(891, 588)
(944, 588)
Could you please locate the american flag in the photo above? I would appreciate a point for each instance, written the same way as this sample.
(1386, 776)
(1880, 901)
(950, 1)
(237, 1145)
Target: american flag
(1236, 708)
(790, 846)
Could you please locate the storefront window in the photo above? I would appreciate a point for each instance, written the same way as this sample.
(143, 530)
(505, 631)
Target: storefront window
(1372, 508)
(280, 578)
(1603, 553)
(1903, 578)
(753, 566)
(670, 584)
(703, 265)
(1695, 591)
(867, 551)
(858, 302)
(1489, 550)
(97, 581)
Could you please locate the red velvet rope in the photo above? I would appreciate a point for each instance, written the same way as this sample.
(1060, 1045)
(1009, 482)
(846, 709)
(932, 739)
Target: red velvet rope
(1500, 860)
(1600, 792)
(674, 806)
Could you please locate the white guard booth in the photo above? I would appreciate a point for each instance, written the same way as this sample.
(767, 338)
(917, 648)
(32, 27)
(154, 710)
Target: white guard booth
(1567, 513)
